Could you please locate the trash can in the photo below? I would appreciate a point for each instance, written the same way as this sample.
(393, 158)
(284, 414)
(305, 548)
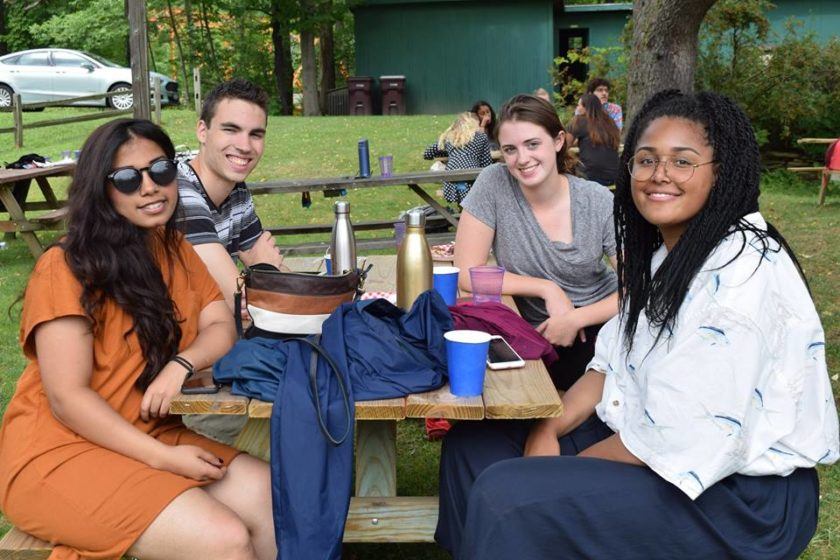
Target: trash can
(393, 94)
(359, 90)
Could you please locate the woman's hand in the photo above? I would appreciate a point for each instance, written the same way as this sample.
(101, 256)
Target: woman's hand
(542, 441)
(556, 301)
(191, 461)
(563, 323)
(158, 397)
(561, 330)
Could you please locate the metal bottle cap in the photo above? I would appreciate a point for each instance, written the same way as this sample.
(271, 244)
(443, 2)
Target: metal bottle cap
(342, 207)
(415, 218)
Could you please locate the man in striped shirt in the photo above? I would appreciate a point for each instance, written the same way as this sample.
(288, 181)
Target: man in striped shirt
(216, 210)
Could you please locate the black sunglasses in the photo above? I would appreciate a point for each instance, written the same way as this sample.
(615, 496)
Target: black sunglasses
(128, 179)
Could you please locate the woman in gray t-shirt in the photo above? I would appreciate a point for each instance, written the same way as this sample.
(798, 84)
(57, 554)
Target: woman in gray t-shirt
(549, 229)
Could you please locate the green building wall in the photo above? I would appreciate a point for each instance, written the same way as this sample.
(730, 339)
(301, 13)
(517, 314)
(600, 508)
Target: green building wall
(454, 53)
(822, 17)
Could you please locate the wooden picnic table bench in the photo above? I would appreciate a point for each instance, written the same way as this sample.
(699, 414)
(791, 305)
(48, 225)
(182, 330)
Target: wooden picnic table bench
(14, 190)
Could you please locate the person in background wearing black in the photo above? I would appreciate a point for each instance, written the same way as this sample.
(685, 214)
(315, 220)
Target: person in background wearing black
(597, 137)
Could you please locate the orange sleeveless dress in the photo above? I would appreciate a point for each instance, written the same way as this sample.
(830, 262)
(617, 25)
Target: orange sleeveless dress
(87, 500)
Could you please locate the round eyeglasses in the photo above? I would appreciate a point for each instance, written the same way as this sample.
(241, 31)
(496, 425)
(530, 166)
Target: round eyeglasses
(643, 168)
(128, 179)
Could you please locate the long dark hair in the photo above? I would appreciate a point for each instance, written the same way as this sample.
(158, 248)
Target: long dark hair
(114, 259)
(734, 194)
(491, 126)
(532, 109)
(600, 126)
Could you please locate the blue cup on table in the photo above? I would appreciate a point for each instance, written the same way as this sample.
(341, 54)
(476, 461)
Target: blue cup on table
(466, 357)
(445, 282)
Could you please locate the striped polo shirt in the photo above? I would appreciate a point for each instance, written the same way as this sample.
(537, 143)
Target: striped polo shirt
(234, 223)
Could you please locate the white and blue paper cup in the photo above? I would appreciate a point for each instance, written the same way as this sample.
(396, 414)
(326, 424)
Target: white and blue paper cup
(466, 356)
(445, 282)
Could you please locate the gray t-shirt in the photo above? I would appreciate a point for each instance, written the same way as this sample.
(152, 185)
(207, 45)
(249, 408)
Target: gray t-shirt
(522, 247)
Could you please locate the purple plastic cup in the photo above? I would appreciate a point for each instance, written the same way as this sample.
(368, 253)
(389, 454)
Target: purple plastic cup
(486, 282)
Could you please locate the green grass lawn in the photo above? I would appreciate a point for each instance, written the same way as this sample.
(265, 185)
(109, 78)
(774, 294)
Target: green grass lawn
(298, 147)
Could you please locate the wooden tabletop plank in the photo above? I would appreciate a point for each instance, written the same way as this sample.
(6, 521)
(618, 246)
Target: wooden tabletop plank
(440, 403)
(12, 175)
(219, 403)
(521, 393)
(384, 409)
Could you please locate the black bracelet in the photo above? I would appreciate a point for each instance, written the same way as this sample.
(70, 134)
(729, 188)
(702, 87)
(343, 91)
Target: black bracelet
(182, 361)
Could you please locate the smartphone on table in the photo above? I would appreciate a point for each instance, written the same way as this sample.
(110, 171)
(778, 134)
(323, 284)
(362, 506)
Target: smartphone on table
(502, 356)
(200, 384)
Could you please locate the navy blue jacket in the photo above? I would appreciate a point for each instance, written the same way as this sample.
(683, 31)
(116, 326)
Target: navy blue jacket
(380, 352)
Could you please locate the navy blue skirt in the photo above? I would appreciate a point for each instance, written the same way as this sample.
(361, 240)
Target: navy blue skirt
(494, 503)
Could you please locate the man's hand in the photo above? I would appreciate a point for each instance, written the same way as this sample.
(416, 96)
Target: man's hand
(264, 250)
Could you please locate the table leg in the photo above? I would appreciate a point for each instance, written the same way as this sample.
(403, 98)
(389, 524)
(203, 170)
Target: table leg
(376, 458)
(18, 217)
(434, 204)
(47, 191)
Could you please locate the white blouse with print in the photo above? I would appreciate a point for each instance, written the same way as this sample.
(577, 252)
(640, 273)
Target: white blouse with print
(740, 385)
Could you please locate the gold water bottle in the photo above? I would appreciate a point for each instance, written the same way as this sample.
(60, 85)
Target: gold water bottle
(414, 261)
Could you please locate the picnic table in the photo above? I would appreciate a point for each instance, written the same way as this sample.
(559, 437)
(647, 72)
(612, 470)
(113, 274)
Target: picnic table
(14, 190)
(376, 513)
(335, 185)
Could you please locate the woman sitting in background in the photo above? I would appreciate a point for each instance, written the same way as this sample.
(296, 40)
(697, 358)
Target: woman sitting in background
(486, 121)
(695, 431)
(549, 229)
(115, 317)
(597, 137)
(466, 147)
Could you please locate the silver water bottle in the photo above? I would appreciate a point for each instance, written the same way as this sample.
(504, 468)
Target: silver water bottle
(342, 241)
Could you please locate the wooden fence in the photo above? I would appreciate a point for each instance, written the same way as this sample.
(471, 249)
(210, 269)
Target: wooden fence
(19, 126)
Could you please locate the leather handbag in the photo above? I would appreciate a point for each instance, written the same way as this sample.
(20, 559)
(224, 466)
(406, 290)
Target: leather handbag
(293, 303)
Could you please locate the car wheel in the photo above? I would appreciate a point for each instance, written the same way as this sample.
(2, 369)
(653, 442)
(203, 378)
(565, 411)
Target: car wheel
(5, 96)
(121, 102)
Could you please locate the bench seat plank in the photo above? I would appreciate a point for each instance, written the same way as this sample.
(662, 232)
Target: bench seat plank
(391, 520)
(370, 520)
(17, 545)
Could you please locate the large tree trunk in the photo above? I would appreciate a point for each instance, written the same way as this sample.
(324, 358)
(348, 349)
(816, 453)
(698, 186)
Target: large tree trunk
(309, 73)
(664, 51)
(187, 78)
(283, 73)
(327, 60)
(214, 63)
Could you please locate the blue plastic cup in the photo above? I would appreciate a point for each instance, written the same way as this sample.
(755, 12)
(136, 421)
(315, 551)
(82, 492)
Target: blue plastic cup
(328, 264)
(466, 355)
(445, 282)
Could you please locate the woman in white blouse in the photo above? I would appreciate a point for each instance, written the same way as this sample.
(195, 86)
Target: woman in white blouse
(710, 394)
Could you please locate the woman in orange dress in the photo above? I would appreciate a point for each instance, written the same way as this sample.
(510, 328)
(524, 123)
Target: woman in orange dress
(114, 318)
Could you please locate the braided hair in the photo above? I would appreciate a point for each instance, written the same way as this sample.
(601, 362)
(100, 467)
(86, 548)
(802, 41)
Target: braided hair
(733, 195)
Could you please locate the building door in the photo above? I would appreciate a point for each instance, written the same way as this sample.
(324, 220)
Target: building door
(573, 40)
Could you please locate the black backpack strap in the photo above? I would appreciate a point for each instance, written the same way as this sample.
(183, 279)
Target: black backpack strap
(317, 350)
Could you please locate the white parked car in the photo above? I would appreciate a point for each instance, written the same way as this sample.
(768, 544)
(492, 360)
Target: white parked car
(53, 74)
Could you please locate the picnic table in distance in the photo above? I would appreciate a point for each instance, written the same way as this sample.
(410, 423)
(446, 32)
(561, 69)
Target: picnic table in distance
(26, 225)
